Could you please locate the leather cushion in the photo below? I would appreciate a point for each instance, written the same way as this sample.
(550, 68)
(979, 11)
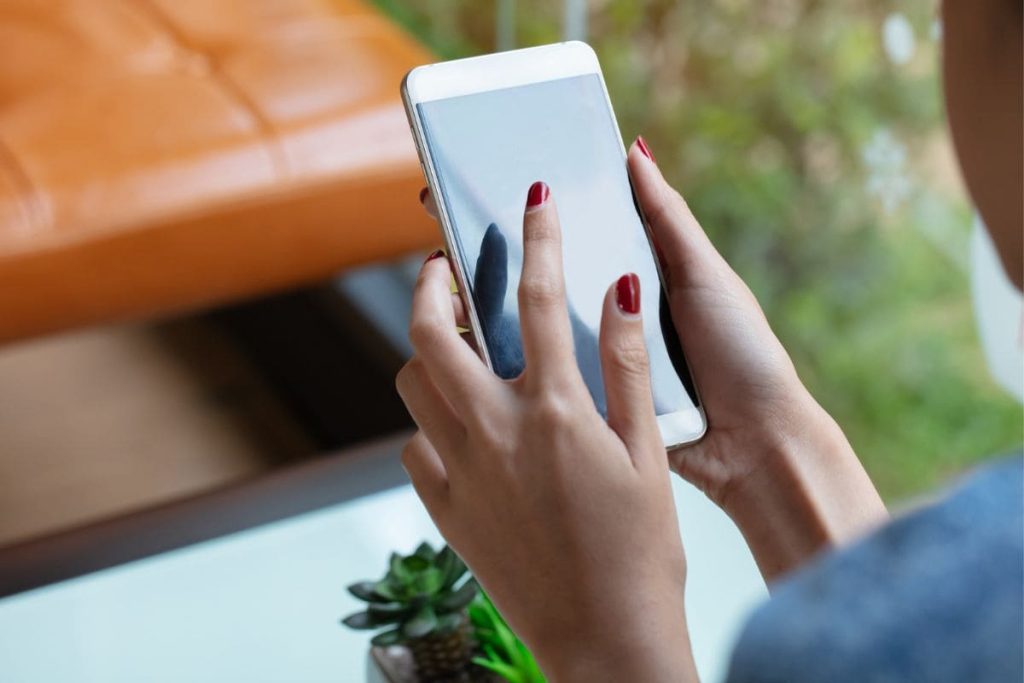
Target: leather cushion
(161, 155)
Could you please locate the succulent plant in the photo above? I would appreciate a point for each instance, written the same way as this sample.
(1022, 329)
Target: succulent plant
(421, 602)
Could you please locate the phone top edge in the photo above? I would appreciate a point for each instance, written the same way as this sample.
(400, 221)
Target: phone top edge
(499, 70)
(403, 87)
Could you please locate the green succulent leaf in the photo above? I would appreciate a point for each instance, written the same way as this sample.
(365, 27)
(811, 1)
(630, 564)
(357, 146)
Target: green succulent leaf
(387, 608)
(428, 582)
(398, 570)
(483, 611)
(390, 613)
(420, 625)
(445, 560)
(360, 620)
(366, 590)
(384, 588)
(414, 564)
(452, 566)
(459, 570)
(392, 637)
(425, 551)
(460, 598)
(478, 614)
(448, 623)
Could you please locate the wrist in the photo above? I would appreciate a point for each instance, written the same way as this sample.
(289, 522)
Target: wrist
(657, 651)
(808, 491)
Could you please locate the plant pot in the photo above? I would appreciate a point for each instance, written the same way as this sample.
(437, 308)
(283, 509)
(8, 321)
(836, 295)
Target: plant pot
(394, 664)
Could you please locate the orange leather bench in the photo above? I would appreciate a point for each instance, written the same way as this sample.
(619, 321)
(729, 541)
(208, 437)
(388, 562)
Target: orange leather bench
(158, 156)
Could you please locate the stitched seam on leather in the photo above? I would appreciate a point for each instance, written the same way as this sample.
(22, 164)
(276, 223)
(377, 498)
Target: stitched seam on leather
(278, 158)
(30, 197)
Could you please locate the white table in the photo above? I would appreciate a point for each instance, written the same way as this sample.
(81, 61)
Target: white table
(263, 604)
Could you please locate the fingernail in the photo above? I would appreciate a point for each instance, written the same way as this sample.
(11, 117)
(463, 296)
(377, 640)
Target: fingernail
(423, 194)
(642, 144)
(627, 293)
(437, 253)
(538, 194)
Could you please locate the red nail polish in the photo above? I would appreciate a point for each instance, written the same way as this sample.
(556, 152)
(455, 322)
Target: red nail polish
(627, 293)
(538, 194)
(437, 253)
(423, 194)
(642, 144)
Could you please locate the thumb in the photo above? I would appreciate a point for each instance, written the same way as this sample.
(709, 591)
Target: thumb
(626, 368)
(686, 254)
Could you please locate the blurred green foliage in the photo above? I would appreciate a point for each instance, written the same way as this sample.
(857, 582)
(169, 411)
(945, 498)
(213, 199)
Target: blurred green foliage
(764, 114)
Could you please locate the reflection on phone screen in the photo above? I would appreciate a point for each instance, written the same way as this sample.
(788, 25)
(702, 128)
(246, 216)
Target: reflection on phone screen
(488, 148)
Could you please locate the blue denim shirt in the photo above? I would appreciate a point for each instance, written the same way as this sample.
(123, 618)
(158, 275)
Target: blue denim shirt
(934, 596)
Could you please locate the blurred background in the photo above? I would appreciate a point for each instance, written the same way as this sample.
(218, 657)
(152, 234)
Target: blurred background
(809, 139)
(209, 233)
(209, 228)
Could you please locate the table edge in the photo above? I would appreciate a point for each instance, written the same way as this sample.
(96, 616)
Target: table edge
(326, 480)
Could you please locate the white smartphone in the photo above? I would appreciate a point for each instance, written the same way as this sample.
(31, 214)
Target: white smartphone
(486, 128)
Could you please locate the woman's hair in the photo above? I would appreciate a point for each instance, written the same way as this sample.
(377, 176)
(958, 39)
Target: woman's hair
(982, 73)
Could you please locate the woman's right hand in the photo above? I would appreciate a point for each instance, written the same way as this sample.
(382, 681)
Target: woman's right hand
(772, 458)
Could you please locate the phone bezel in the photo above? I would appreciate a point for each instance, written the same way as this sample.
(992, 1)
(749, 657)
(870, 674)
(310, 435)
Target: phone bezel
(507, 70)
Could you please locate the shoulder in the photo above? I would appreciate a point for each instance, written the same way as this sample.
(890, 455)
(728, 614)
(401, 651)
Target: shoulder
(934, 596)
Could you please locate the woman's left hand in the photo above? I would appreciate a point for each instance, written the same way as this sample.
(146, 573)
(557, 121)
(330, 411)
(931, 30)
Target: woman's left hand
(567, 520)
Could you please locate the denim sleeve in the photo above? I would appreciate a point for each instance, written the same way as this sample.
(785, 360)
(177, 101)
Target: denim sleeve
(935, 596)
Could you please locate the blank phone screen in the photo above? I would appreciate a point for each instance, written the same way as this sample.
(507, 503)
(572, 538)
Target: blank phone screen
(487, 149)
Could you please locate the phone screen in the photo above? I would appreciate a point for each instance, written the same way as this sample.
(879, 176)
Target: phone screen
(487, 149)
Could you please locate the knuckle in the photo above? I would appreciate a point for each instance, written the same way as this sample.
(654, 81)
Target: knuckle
(553, 409)
(675, 208)
(408, 376)
(426, 333)
(402, 380)
(489, 440)
(541, 291)
(410, 455)
(669, 211)
(678, 202)
(422, 283)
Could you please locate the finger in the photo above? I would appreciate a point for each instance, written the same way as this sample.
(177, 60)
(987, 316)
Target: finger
(626, 369)
(459, 311)
(690, 263)
(468, 337)
(427, 200)
(684, 250)
(427, 474)
(456, 371)
(461, 318)
(428, 407)
(543, 314)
